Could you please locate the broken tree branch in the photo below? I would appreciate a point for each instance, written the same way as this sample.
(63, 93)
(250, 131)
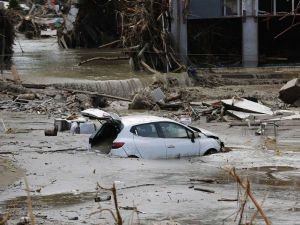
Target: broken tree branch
(118, 217)
(109, 44)
(147, 67)
(29, 203)
(98, 94)
(204, 190)
(233, 173)
(103, 59)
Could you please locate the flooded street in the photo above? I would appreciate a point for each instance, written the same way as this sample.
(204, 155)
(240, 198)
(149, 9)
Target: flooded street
(63, 172)
(63, 176)
(42, 61)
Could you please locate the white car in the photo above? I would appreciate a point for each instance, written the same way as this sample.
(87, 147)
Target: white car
(152, 137)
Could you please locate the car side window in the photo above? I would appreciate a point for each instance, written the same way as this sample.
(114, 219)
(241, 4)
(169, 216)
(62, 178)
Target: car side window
(173, 130)
(146, 130)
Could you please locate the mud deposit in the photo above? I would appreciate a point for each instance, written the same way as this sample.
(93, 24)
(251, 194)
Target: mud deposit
(63, 174)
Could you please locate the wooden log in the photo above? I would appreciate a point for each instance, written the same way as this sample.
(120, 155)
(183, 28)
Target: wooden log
(98, 94)
(104, 59)
(109, 44)
(205, 180)
(35, 86)
(204, 190)
(227, 200)
(142, 50)
(147, 67)
(241, 124)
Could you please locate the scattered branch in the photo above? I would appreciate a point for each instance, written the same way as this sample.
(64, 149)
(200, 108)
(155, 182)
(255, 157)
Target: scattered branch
(29, 203)
(246, 187)
(103, 59)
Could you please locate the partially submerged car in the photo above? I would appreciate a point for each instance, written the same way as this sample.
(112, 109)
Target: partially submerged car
(152, 137)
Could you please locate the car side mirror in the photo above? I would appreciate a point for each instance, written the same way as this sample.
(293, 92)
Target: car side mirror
(194, 136)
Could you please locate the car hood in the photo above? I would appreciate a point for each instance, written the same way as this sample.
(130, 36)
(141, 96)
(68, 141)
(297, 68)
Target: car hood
(207, 133)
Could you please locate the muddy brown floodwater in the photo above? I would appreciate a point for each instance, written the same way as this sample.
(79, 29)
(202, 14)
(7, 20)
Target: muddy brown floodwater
(42, 61)
(63, 176)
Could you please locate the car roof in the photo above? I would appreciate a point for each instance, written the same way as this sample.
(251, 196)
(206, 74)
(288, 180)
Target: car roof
(140, 119)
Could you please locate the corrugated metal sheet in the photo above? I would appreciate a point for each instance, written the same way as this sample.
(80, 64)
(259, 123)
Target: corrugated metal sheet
(204, 9)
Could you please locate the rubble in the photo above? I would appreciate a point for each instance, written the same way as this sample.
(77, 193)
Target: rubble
(45, 99)
(290, 92)
(245, 105)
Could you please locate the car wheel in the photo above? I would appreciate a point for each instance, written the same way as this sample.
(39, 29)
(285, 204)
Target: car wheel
(133, 157)
(211, 151)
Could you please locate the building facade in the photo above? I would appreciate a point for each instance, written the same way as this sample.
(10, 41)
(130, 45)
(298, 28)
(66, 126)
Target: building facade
(237, 32)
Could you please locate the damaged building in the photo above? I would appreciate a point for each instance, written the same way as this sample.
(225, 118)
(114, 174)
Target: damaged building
(237, 32)
(207, 33)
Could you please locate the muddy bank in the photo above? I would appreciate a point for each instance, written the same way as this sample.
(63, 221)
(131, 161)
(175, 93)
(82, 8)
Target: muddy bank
(9, 172)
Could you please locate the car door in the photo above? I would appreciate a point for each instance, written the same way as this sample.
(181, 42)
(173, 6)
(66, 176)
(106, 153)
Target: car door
(148, 143)
(178, 140)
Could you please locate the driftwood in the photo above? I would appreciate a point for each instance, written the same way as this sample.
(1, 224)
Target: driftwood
(6, 153)
(136, 186)
(103, 59)
(227, 200)
(35, 86)
(205, 180)
(146, 24)
(147, 67)
(109, 44)
(241, 124)
(98, 94)
(204, 190)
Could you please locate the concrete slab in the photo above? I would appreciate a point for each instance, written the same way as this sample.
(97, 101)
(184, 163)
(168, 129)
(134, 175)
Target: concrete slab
(290, 92)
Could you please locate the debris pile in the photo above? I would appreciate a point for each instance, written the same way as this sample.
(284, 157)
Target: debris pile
(145, 35)
(83, 24)
(168, 93)
(142, 28)
(7, 38)
(43, 99)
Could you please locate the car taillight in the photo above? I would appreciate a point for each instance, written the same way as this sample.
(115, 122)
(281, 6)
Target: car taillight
(116, 145)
